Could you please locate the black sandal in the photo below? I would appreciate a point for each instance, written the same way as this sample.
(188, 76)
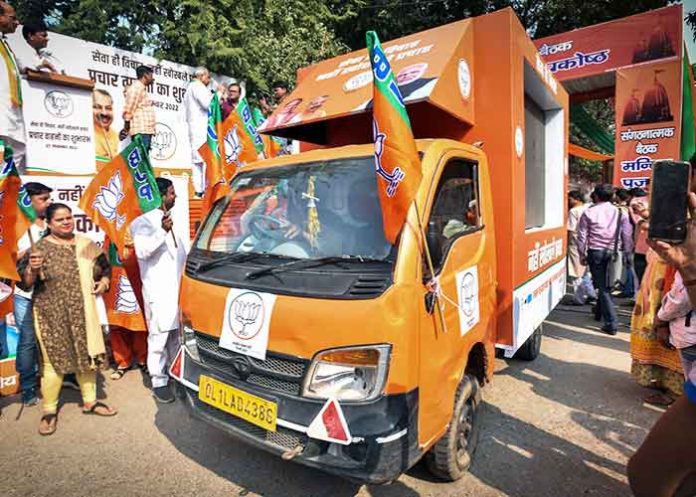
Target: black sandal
(118, 373)
(92, 410)
(51, 420)
(143, 368)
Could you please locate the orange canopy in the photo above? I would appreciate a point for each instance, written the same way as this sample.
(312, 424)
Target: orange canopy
(433, 70)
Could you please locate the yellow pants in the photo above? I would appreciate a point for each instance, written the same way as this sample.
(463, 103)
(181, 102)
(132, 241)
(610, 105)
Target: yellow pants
(51, 383)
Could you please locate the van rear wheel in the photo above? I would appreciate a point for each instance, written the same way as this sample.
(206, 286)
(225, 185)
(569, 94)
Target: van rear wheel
(451, 456)
(531, 348)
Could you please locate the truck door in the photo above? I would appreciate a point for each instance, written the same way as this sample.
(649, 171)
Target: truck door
(457, 236)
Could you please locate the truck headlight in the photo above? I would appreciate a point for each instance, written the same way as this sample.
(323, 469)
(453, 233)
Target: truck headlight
(353, 373)
(188, 338)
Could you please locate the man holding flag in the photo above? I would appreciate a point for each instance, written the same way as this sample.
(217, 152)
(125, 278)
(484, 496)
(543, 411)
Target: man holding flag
(161, 257)
(22, 211)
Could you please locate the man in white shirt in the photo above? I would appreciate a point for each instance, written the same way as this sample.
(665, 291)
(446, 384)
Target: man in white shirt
(196, 102)
(11, 121)
(161, 257)
(36, 36)
(27, 357)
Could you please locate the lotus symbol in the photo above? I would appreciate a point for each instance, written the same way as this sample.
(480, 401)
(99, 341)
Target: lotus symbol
(394, 178)
(233, 147)
(58, 103)
(468, 294)
(108, 199)
(125, 299)
(246, 315)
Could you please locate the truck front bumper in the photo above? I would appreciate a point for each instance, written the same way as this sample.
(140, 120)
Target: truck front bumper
(384, 432)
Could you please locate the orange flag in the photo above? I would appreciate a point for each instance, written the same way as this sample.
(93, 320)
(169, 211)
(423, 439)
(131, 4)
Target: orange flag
(238, 146)
(16, 213)
(123, 190)
(124, 301)
(212, 151)
(397, 163)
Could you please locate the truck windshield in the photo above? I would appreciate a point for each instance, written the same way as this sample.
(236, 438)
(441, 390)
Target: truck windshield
(307, 211)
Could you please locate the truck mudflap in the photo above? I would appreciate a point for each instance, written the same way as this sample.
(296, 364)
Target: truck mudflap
(384, 432)
(533, 301)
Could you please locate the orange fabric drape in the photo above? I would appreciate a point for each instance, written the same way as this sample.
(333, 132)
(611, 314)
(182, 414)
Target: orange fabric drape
(588, 154)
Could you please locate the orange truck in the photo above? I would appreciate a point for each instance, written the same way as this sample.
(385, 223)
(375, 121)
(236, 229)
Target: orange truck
(307, 334)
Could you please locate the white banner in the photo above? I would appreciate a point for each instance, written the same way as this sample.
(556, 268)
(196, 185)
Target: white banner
(246, 322)
(112, 70)
(60, 136)
(69, 189)
(534, 301)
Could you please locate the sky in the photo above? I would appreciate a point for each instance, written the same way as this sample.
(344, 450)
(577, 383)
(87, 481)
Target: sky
(689, 5)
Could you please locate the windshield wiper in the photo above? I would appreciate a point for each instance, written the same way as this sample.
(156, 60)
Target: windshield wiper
(233, 257)
(307, 263)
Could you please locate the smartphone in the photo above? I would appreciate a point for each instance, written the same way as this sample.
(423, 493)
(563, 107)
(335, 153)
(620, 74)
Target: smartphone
(669, 196)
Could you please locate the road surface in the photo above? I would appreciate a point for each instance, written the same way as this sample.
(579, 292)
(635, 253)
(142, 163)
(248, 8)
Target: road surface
(564, 425)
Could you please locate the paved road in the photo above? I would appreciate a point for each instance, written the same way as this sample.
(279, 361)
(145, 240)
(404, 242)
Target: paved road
(563, 425)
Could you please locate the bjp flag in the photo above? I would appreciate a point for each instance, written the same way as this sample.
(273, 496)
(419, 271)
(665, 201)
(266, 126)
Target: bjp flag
(124, 300)
(123, 190)
(16, 213)
(238, 145)
(212, 153)
(397, 164)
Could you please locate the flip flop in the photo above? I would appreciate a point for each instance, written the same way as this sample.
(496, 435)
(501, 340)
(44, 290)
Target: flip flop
(51, 421)
(118, 374)
(93, 412)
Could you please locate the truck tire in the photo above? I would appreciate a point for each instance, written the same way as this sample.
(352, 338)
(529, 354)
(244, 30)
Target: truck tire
(451, 456)
(531, 348)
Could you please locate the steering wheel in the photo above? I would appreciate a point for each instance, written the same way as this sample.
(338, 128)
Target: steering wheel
(263, 226)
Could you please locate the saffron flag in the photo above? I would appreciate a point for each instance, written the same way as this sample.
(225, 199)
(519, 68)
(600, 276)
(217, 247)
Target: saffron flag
(124, 301)
(397, 163)
(16, 213)
(123, 190)
(688, 128)
(211, 151)
(239, 140)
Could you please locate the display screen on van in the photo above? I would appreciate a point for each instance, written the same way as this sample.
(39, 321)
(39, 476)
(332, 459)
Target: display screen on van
(315, 210)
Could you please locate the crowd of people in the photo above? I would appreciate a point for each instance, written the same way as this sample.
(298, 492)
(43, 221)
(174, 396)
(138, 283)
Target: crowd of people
(609, 255)
(61, 336)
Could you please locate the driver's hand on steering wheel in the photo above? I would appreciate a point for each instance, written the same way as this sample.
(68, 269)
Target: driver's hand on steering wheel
(292, 231)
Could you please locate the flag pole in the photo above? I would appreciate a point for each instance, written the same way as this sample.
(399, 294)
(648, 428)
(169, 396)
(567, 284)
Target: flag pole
(431, 267)
(32, 247)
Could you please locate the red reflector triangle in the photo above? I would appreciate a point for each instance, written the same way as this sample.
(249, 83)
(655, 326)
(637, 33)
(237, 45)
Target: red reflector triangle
(330, 424)
(175, 369)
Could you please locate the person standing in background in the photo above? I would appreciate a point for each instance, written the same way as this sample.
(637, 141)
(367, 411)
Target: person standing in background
(36, 36)
(604, 232)
(577, 271)
(27, 358)
(234, 93)
(138, 111)
(639, 211)
(196, 103)
(12, 130)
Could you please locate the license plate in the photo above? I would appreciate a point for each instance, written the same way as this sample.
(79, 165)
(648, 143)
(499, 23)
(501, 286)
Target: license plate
(244, 405)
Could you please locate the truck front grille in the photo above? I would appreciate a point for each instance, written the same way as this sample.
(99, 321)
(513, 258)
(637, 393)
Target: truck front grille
(278, 373)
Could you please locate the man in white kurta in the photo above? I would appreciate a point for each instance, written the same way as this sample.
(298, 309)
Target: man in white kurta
(11, 121)
(196, 102)
(161, 257)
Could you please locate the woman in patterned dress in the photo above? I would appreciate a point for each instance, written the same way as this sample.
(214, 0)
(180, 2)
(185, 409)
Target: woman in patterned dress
(654, 365)
(67, 272)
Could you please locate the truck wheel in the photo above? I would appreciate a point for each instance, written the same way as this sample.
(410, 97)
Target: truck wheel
(531, 348)
(451, 456)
